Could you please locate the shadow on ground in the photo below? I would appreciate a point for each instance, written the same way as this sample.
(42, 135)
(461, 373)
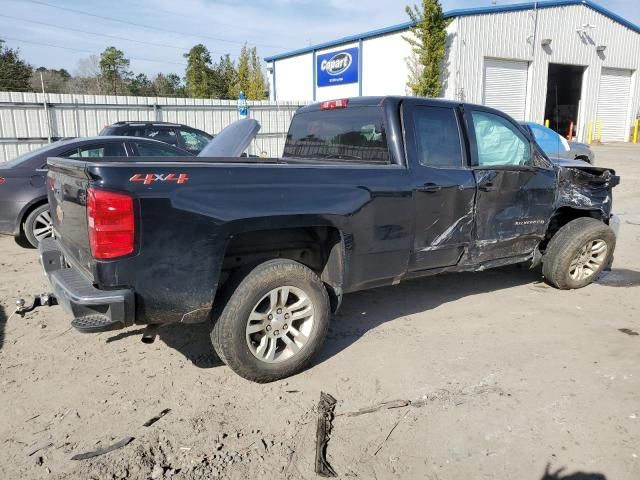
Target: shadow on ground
(560, 475)
(3, 323)
(620, 277)
(366, 310)
(192, 341)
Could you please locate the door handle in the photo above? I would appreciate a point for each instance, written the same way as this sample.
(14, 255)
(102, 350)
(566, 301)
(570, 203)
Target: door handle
(487, 187)
(430, 188)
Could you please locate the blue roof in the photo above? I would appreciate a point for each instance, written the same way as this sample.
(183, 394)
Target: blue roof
(463, 12)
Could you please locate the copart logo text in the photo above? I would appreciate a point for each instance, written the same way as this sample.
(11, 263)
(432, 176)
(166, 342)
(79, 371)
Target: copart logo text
(337, 64)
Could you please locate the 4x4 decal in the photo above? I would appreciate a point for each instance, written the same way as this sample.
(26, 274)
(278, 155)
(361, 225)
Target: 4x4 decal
(149, 178)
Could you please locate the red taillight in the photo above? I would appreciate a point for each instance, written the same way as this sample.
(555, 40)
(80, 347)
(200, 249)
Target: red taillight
(333, 104)
(111, 224)
(2, 180)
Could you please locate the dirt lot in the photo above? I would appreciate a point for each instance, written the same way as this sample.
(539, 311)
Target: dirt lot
(510, 376)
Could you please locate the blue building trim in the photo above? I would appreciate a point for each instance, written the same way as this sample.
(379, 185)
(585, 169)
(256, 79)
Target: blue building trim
(360, 67)
(464, 12)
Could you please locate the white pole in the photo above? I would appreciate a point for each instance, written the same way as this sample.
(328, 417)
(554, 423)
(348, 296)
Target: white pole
(46, 109)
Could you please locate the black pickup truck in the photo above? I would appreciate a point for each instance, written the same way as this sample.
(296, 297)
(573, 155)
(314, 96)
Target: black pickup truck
(368, 192)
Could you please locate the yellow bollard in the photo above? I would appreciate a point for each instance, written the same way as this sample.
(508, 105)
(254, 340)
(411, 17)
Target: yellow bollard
(635, 131)
(599, 131)
(546, 123)
(590, 132)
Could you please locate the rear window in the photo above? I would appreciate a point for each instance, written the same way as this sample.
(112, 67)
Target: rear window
(349, 134)
(107, 131)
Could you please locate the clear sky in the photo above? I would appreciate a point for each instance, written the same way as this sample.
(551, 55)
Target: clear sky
(176, 25)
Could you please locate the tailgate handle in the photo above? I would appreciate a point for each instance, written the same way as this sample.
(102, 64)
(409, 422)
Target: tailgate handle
(430, 188)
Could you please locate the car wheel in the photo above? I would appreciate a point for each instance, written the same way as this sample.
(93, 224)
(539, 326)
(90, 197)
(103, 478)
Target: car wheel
(274, 321)
(38, 225)
(578, 253)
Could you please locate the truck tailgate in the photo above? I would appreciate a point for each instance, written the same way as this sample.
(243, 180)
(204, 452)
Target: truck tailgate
(67, 193)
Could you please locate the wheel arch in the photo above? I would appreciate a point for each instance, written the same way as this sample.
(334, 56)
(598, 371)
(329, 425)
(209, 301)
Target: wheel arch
(24, 213)
(564, 215)
(322, 248)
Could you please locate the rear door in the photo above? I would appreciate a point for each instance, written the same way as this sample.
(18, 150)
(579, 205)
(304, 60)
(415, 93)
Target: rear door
(516, 187)
(444, 185)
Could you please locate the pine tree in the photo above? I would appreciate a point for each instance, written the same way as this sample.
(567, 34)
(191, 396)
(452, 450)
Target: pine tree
(198, 74)
(257, 83)
(15, 73)
(428, 44)
(229, 76)
(142, 86)
(244, 72)
(168, 85)
(114, 69)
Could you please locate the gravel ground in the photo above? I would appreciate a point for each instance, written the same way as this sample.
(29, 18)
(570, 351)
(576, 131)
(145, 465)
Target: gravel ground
(509, 378)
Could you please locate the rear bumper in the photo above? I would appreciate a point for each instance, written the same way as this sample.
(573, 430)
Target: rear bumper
(77, 294)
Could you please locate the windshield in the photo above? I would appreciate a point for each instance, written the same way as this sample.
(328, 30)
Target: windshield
(25, 157)
(550, 141)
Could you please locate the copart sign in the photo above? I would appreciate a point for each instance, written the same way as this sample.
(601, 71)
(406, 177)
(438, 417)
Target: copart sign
(337, 68)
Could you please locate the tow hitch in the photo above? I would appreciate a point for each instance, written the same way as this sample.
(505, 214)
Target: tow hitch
(42, 300)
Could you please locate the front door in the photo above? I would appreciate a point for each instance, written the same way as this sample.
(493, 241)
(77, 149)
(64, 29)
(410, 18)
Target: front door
(443, 184)
(516, 188)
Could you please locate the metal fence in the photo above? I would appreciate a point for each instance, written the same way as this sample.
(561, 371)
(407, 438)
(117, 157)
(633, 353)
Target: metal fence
(30, 120)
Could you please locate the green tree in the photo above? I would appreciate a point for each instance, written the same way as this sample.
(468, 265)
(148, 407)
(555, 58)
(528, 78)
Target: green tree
(198, 74)
(428, 44)
(169, 85)
(229, 76)
(244, 72)
(141, 86)
(257, 83)
(114, 70)
(15, 73)
(224, 79)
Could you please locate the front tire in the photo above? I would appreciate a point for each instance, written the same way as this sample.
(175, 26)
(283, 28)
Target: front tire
(274, 322)
(578, 253)
(38, 225)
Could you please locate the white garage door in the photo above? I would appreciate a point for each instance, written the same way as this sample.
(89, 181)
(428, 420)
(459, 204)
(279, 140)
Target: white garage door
(505, 86)
(613, 104)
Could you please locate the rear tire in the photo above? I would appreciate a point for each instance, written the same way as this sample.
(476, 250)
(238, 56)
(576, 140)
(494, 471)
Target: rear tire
(274, 321)
(38, 225)
(577, 253)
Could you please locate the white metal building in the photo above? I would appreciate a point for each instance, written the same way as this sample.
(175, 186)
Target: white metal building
(562, 60)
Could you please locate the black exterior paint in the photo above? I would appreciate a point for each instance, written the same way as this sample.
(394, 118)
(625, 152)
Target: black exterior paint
(394, 221)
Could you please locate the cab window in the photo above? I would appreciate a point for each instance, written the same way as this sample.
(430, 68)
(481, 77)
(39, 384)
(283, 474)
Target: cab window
(98, 151)
(437, 137)
(145, 149)
(352, 135)
(499, 142)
